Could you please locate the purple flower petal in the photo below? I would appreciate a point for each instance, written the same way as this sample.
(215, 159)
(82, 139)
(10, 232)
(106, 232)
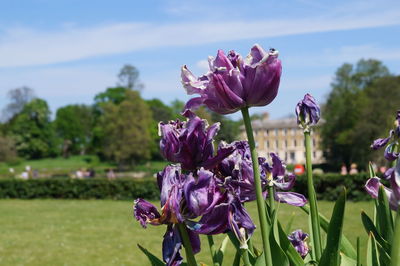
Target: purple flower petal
(291, 198)
(379, 143)
(171, 246)
(307, 111)
(145, 212)
(390, 153)
(201, 194)
(298, 239)
(233, 83)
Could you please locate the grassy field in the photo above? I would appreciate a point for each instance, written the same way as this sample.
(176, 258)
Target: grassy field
(63, 167)
(90, 232)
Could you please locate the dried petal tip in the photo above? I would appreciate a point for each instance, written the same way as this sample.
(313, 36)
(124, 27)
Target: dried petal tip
(307, 111)
(145, 212)
(299, 240)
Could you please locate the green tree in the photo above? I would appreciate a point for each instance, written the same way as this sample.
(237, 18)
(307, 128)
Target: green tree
(129, 78)
(33, 131)
(8, 152)
(229, 129)
(74, 124)
(126, 138)
(18, 98)
(342, 111)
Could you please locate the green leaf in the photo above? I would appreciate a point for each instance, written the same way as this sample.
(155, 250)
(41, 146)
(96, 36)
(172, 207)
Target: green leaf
(371, 170)
(221, 251)
(370, 228)
(345, 245)
(236, 260)
(372, 254)
(287, 247)
(346, 261)
(384, 257)
(152, 258)
(384, 218)
(330, 256)
(288, 226)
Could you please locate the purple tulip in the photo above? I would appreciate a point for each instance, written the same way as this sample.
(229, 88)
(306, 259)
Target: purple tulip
(145, 213)
(299, 240)
(237, 173)
(191, 143)
(278, 177)
(393, 193)
(201, 193)
(172, 244)
(390, 152)
(379, 143)
(307, 111)
(228, 215)
(233, 83)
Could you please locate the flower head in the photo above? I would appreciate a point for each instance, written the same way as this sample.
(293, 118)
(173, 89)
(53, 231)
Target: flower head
(393, 193)
(277, 176)
(307, 111)
(298, 239)
(191, 143)
(233, 82)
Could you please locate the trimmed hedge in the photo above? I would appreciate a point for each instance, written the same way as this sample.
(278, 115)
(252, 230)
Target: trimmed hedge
(327, 186)
(66, 188)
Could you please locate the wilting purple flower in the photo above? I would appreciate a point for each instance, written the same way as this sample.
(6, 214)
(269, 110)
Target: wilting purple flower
(298, 239)
(390, 152)
(201, 193)
(236, 172)
(379, 143)
(228, 214)
(233, 83)
(276, 176)
(307, 111)
(393, 193)
(145, 212)
(191, 143)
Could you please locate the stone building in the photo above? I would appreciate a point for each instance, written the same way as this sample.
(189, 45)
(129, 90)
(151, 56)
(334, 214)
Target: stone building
(284, 137)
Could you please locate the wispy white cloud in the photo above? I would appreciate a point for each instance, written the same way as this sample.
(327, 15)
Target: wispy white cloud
(24, 47)
(349, 54)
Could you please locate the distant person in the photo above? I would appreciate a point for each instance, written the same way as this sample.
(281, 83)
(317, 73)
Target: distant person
(25, 175)
(111, 174)
(91, 173)
(79, 174)
(343, 170)
(382, 169)
(353, 169)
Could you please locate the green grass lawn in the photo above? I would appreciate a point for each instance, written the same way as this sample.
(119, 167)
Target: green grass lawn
(102, 232)
(65, 166)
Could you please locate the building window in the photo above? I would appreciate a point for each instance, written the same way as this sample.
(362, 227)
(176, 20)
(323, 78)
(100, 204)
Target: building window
(292, 156)
(276, 144)
(313, 142)
(286, 156)
(276, 132)
(266, 144)
(314, 154)
(285, 132)
(267, 132)
(293, 131)
(285, 143)
(295, 143)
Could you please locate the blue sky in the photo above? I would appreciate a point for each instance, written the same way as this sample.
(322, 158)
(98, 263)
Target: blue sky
(68, 51)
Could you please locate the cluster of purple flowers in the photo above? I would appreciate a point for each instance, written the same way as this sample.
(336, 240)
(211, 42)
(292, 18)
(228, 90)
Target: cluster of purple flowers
(206, 190)
(392, 174)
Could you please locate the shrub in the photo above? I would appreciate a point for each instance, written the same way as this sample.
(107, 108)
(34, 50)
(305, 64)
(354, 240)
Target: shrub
(327, 186)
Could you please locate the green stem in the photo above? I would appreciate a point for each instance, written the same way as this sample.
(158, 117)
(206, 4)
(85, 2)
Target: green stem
(395, 254)
(271, 198)
(245, 257)
(212, 250)
(265, 227)
(316, 234)
(191, 260)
